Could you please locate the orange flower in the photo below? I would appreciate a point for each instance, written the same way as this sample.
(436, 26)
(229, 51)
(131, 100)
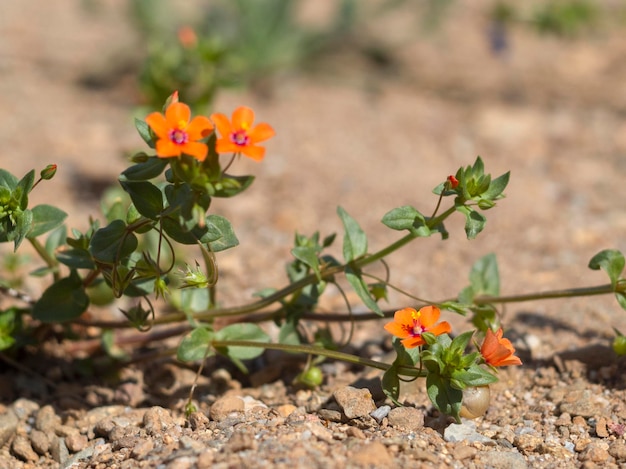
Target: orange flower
(409, 325)
(178, 134)
(239, 136)
(498, 351)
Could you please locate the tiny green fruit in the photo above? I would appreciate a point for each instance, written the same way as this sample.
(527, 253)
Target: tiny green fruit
(311, 377)
(619, 344)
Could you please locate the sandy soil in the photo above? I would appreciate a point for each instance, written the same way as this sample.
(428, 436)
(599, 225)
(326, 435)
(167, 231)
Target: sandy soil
(549, 110)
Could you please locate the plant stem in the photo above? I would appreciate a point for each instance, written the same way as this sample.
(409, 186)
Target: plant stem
(315, 350)
(546, 295)
(49, 260)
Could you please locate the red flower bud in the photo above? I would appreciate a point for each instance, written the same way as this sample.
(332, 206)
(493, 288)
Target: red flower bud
(453, 182)
(48, 172)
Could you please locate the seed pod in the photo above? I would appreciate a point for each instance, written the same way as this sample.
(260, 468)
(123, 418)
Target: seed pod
(475, 402)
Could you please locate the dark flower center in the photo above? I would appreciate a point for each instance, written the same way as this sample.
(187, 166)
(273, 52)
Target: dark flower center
(239, 138)
(178, 136)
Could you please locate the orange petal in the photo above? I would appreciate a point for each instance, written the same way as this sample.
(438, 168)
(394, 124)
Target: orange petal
(196, 149)
(226, 146)
(165, 148)
(254, 152)
(158, 124)
(405, 316)
(412, 342)
(222, 123)
(441, 328)
(199, 127)
(396, 329)
(243, 117)
(177, 112)
(429, 315)
(261, 133)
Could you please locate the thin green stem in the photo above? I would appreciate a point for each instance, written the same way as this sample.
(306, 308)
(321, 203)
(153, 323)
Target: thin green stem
(50, 261)
(314, 350)
(546, 295)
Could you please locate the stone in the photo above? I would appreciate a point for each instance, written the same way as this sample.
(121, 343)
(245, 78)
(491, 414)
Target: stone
(465, 431)
(22, 449)
(47, 420)
(39, 441)
(500, 460)
(354, 402)
(371, 454)
(142, 448)
(225, 406)
(408, 418)
(8, 426)
(157, 419)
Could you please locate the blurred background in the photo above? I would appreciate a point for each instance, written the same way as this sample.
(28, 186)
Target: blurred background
(375, 102)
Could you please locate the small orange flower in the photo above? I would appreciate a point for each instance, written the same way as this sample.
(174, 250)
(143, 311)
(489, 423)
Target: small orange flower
(239, 136)
(409, 325)
(187, 37)
(498, 351)
(178, 133)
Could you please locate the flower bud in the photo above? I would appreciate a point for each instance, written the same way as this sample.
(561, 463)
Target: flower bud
(452, 182)
(48, 172)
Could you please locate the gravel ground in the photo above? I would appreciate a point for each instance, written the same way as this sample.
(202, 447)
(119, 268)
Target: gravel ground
(550, 110)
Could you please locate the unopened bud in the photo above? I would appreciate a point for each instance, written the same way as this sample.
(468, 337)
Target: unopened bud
(48, 172)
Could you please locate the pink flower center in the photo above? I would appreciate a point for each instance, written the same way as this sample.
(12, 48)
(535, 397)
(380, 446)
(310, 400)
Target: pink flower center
(240, 137)
(179, 137)
(417, 329)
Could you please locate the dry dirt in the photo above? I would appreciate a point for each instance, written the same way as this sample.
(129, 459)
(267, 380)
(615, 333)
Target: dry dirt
(549, 110)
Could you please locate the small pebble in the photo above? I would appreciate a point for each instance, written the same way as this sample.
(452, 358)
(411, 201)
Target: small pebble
(354, 402)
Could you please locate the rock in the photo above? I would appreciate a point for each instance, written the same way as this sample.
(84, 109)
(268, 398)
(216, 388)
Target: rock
(225, 406)
(583, 403)
(528, 442)
(75, 442)
(595, 452)
(24, 408)
(22, 449)
(380, 413)
(142, 448)
(39, 441)
(462, 452)
(205, 460)
(601, 428)
(183, 462)
(157, 419)
(354, 402)
(372, 454)
(286, 410)
(8, 425)
(408, 418)
(617, 449)
(465, 431)
(500, 460)
(198, 421)
(47, 420)
(240, 441)
(58, 450)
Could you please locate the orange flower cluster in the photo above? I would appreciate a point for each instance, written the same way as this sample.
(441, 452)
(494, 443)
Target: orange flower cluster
(498, 351)
(178, 134)
(409, 325)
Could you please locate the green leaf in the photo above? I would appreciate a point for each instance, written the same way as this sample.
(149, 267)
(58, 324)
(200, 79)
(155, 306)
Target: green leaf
(611, 261)
(63, 301)
(474, 221)
(309, 256)
(144, 131)
(220, 234)
(402, 218)
(354, 240)
(361, 289)
(24, 187)
(497, 186)
(76, 259)
(196, 345)
(22, 227)
(45, 218)
(145, 170)
(8, 180)
(230, 186)
(475, 375)
(485, 277)
(391, 384)
(112, 243)
(194, 300)
(7, 327)
(244, 331)
(146, 197)
(444, 397)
